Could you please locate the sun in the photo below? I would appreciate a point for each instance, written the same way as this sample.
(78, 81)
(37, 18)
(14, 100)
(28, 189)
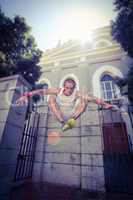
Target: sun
(79, 25)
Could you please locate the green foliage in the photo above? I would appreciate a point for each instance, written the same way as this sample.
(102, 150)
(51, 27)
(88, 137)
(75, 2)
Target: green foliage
(122, 32)
(3, 66)
(18, 51)
(123, 4)
(130, 83)
(28, 69)
(122, 27)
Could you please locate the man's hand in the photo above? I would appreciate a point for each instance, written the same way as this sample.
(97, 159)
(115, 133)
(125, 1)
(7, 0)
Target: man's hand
(112, 107)
(115, 108)
(108, 106)
(22, 100)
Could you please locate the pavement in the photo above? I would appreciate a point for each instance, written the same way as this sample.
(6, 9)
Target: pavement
(30, 191)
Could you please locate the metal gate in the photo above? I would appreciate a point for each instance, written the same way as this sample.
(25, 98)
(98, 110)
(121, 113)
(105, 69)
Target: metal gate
(26, 154)
(118, 160)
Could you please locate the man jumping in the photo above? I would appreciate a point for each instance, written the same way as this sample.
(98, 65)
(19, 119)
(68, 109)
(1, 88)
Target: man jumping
(67, 103)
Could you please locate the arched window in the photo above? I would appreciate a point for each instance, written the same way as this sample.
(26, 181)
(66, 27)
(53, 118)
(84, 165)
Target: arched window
(44, 83)
(110, 90)
(44, 97)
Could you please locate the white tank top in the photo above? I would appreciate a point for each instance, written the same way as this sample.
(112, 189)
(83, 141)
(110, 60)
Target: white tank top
(66, 103)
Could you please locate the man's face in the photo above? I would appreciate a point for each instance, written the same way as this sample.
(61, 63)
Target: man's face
(68, 88)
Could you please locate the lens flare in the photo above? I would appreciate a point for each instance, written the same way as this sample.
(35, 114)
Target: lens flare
(54, 138)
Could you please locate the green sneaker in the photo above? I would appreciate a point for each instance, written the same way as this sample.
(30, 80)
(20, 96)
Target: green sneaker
(69, 124)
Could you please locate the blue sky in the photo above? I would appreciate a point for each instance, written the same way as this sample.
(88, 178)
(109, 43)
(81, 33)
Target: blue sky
(54, 20)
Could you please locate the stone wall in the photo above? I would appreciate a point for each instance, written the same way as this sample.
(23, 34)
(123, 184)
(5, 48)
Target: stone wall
(11, 128)
(73, 157)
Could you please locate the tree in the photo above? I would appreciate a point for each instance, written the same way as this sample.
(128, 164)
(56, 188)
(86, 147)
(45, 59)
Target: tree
(130, 83)
(3, 66)
(122, 32)
(28, 69)
(18, 50)
(122, 27)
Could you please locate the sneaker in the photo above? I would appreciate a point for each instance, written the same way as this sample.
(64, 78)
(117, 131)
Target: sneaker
(69, 124)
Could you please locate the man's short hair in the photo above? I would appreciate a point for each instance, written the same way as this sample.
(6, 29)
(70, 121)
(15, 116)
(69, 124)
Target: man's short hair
(70, 81)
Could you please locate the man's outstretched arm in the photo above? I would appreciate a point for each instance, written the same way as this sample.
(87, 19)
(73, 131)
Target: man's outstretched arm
(24, 99)
(81, 105)
(100, 102)
(84, 101)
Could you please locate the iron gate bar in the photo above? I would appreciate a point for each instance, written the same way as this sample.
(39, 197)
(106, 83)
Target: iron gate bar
(31, 137)
(27, 148)
(22, 150)
(27, 140)
(18, 166)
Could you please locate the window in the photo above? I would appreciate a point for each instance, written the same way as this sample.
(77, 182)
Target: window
(44, 97)
(37, 98)
(110, 90)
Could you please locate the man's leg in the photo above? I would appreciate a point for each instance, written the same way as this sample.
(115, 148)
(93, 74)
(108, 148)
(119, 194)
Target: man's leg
(55, 109)
(80, 108)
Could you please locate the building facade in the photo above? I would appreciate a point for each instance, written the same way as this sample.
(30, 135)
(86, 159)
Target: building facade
(97, 153)
(80, 157)
(94, 64)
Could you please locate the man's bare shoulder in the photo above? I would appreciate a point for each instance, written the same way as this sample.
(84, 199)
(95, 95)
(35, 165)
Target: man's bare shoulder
(90, 98)
(78, 94)
(54, 91)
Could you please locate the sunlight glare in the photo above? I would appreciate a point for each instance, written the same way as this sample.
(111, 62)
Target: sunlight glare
(79, 25)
